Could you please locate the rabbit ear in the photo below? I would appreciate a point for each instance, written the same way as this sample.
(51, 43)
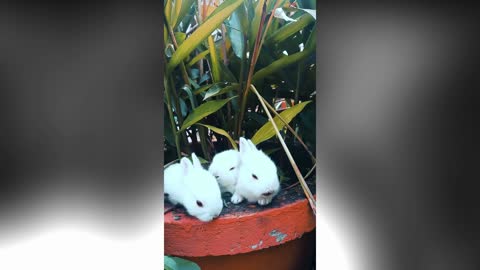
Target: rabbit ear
(244, 146)
(252, 145)
(196, 161)
(186, 165)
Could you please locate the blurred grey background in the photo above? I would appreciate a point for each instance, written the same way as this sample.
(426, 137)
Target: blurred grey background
(80, 115)
(396, 143)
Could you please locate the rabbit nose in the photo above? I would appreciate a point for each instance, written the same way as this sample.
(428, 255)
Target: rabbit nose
(268, 193)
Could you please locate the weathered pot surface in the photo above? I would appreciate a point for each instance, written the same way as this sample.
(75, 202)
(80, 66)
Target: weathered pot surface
(240, 228)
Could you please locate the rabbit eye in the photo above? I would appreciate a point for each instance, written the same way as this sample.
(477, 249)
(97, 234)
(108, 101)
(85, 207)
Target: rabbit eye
(232, 168)
(199, 203)
(216, 176)
(254, 176)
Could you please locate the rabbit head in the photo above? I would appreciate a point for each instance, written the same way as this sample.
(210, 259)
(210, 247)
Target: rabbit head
(202, 197)
(224, 168)
(257, 179)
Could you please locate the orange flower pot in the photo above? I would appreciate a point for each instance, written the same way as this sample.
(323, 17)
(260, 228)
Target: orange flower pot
(278, 236)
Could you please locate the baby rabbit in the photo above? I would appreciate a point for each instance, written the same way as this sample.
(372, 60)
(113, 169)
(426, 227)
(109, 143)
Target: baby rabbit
(193, 187)
(224, 167)
(257, 176)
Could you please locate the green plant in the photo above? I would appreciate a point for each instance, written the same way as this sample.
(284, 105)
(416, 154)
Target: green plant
(175, 263)
(209, 78)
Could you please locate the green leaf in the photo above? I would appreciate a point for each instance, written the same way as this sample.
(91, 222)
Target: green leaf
(188, 90)
(208, 86)
(202, 32)
(214, 61)
(203, 89)
(176, 263)
(217, 90)
(194, 73)
(286, 61)
(175, 12)
(183, 107)
(289, 29)
(168, 10)
(227, 74)
(180, 37)
(311, 12)
(198, 57)
(236, 31)
(267, 131)
(194, 84)
(204, 110)
(204, 77)
(169, 263)
(185, 7)
(168, 133)
(221, 132)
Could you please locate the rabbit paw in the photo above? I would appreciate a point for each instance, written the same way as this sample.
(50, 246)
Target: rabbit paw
(264, 201)
(236, 199)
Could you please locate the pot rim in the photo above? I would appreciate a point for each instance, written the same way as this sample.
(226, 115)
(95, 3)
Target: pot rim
(236, 233)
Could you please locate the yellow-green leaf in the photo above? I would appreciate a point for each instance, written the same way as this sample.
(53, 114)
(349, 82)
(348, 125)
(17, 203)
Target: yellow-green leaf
(198, 57)
(286, 60)
(204, 110)
(214, 62)
(175, 12)
(267, 131)
(202, 32)
(289, 29)
(180, 37)
(217, 90)
(168, 10)
(221, 132)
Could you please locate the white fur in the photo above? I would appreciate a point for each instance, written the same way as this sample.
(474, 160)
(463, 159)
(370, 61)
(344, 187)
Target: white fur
(186, 183)
(254, 162)
(221, 168)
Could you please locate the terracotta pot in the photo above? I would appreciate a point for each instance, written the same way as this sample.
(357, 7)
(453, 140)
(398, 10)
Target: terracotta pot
(279, 236)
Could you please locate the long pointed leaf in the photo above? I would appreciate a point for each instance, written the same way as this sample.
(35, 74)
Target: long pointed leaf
(286, 61)
(186, 5)
(204, 110)
(236, 29)
(202, 32)
(168, 11)
(221, 132)
(217, 90)
(289, 29)
(214, 62)
(198, 57)
(267, 131)
(176, 12)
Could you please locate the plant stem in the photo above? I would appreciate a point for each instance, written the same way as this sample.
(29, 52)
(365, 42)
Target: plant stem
(304, 185)
(172, 121)
(203, 142)
(299, 80)
(178, 109)
(224, 45)
(256, 52)
(175, 44)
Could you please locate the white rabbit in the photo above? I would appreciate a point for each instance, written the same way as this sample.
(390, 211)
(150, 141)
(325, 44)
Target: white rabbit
(193, 187)
(257, 176)
(224, 167)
